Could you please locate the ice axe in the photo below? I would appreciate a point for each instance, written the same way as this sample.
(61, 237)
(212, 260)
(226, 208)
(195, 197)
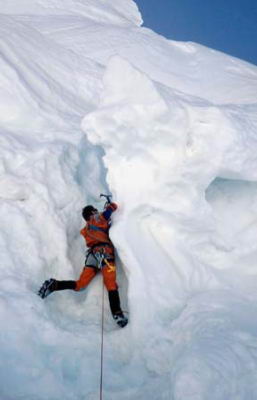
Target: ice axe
(107, 196)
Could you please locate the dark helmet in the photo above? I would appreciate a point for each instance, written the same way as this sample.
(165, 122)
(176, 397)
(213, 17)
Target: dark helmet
(87, 212)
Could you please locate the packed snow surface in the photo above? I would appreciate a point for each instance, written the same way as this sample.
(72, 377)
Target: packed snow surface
(90, 103)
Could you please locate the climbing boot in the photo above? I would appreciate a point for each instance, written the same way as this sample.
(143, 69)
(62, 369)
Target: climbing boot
(53, 285)
(120, 319)
(48, 287)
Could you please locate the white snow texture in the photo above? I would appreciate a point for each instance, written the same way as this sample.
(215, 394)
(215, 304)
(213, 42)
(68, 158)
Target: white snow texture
(91, 102)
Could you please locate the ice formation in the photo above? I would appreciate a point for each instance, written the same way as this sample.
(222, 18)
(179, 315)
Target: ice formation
(92, 102)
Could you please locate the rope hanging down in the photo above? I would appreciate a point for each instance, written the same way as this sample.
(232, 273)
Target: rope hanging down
(102, 346)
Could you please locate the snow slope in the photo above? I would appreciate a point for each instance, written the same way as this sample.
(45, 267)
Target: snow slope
(91, 102)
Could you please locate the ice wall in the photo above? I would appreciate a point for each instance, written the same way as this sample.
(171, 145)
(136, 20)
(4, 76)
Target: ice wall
(184, 172)
(170, 129)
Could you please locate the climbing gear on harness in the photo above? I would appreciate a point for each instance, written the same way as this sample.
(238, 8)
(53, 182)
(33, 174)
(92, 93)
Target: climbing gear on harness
(100, 254)
(111, 267)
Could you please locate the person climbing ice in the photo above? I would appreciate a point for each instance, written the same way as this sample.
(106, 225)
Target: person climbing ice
(100, 256)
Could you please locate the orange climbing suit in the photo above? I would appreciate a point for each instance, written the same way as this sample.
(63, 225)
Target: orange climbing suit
(96, 232)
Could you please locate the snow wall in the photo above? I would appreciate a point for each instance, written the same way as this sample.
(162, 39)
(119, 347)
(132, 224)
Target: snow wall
(90, 102)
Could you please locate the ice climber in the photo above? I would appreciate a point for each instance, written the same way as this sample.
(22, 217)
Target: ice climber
(100, 256)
